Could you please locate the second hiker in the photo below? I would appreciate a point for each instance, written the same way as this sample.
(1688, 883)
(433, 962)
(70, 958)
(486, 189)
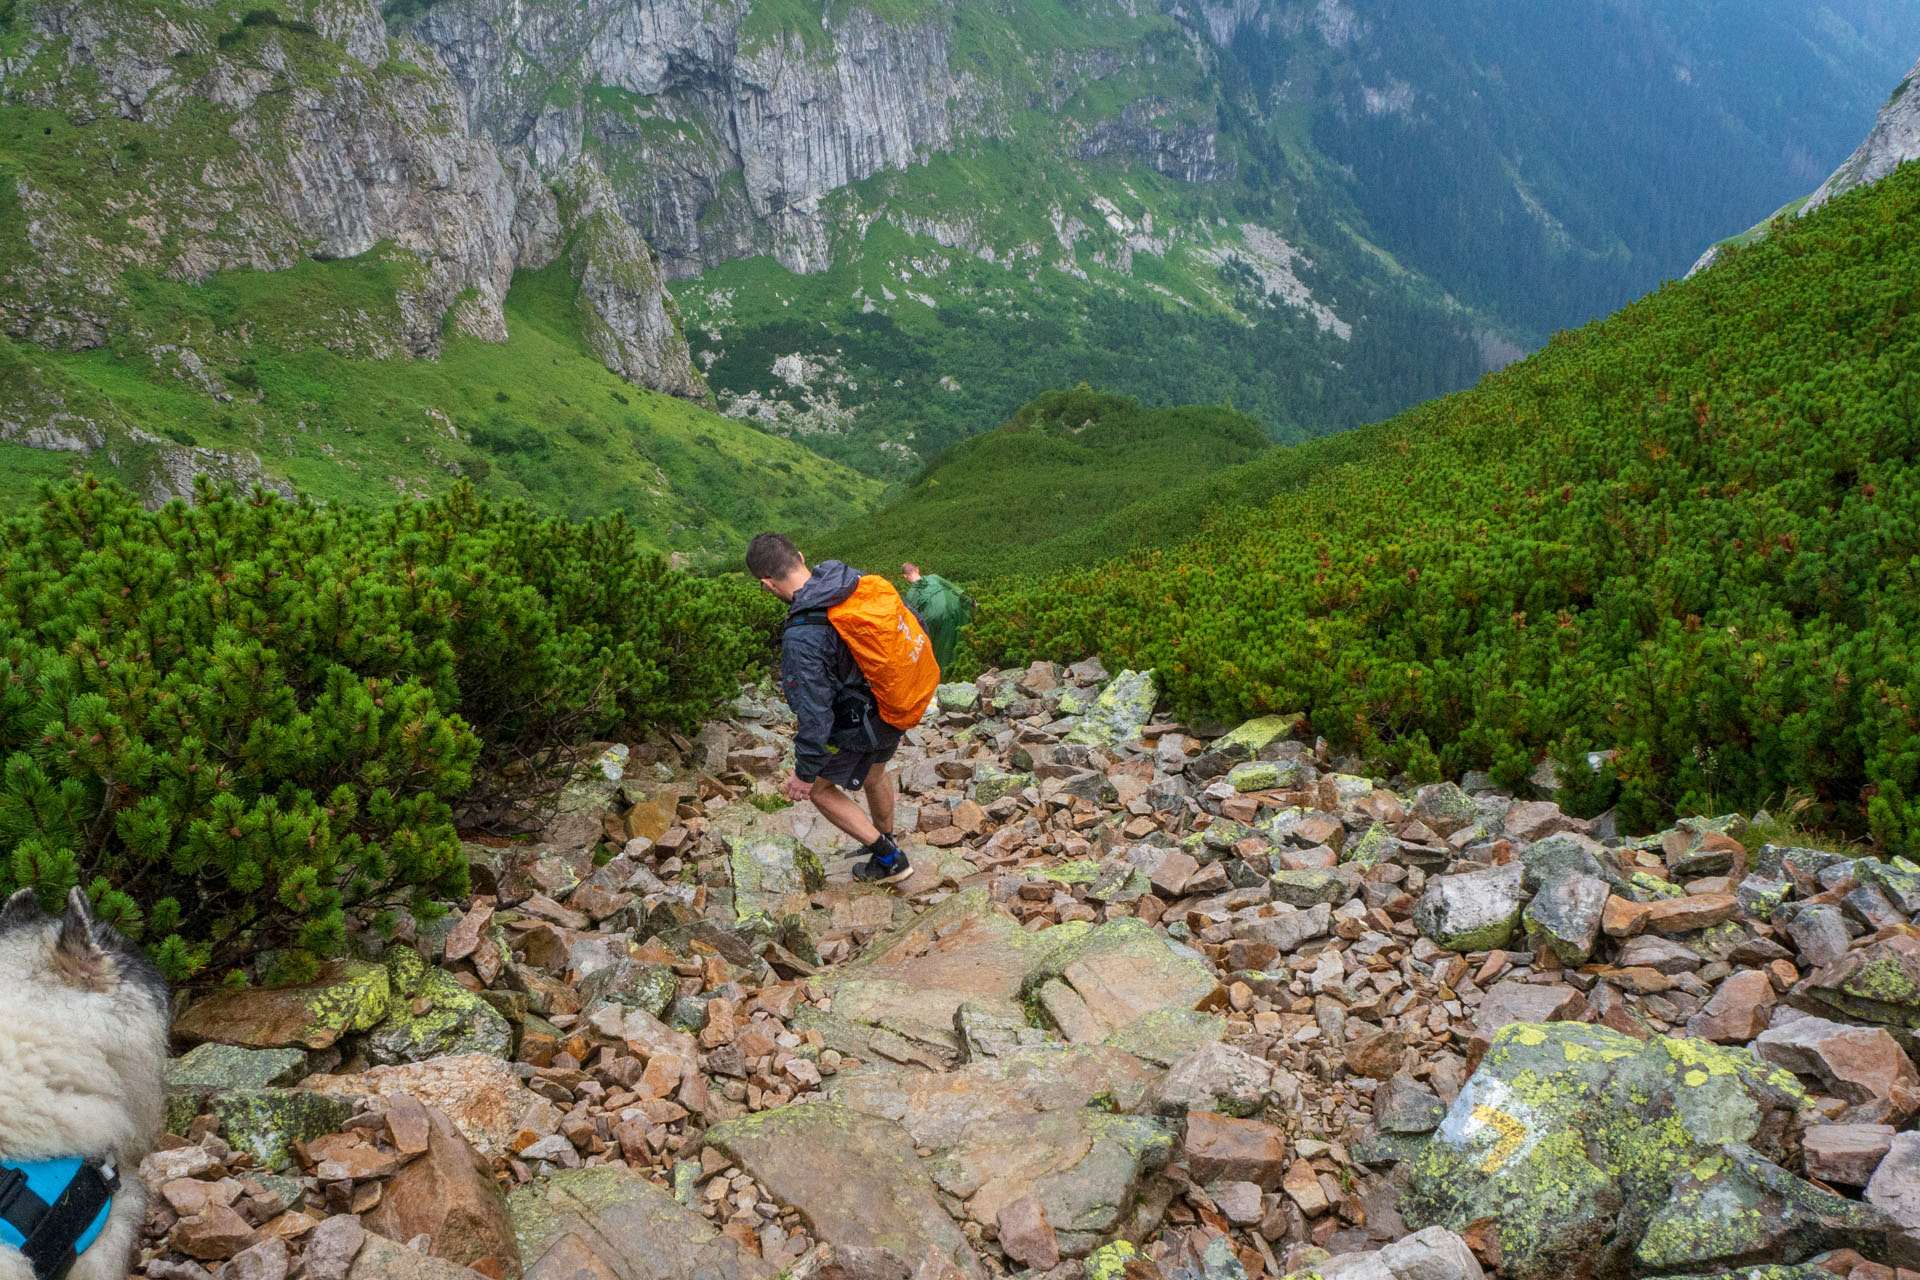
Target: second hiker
(943, 609)
(858, 672)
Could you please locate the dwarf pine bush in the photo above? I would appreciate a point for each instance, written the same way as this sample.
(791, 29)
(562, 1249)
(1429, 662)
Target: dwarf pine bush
(236, 722)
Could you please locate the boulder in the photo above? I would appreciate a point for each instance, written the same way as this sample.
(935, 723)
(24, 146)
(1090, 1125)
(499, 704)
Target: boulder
(1895, 1186)
(1572, 1138)
(1472, 911)
(1121, 711)
(1738, 1206)
(381, 1259)
(1256, 735)
(1879, 983)
(1124, 971)
(1565, 915)
(350, 996)
(854, 1177)
(631, 984)
(1738, 1010)
(610, 1222)
(962, 697)
(1444, 808)
(1859, 1064)
(480, 1094)
(1845, 1154)
(1334, 886)
(1221, 1147)
(452, 1021)
(1036, 1123)
(1223, 1079)
(773, 875)
(448, 1194)
(266, 1123)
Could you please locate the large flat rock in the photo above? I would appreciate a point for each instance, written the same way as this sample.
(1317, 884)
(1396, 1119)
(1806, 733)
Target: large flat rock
(855, 1179)
(1037, 1122)
(610, 1221)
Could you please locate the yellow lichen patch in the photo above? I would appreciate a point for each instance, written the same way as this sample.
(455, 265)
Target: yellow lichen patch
(1696, 1078)
(1512, 1134)
(1530, 1034)
(1710, 1058)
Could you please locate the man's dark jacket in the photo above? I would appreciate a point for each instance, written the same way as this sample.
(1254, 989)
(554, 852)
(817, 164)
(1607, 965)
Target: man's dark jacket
(829, 696)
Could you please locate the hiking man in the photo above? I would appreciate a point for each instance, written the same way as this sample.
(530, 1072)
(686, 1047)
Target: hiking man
(943, 609)
(858, 671)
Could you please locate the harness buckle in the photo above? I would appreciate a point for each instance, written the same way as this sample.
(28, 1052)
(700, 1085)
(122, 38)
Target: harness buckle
(12, 1182)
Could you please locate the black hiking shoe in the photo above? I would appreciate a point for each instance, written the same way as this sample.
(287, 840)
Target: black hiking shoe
(876, 871)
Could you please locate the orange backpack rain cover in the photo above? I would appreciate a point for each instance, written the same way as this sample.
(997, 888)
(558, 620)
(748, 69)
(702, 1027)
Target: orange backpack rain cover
(891, 648)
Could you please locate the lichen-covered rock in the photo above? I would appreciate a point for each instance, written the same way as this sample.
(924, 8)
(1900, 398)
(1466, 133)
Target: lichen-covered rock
(1572, 1137)
(989, 784)
(1878, 983)
(1375, 846)
(1472, 911)
(1035, 1122)
(1304, 888)
(350, 996)
(450, 1020)
(632, 984)
(1444, 808)
(962, 697)
(1565, 916)
(265, 1123)
(210, 1067)
(1254, 736)
(1737, 1206)
(1264, 775)
(1121, 711)
(773, 875)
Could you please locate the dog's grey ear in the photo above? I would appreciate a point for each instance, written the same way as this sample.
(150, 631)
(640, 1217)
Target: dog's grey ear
(22, 908)
(76, 954)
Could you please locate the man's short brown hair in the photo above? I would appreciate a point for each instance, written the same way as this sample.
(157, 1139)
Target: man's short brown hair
(772, 555)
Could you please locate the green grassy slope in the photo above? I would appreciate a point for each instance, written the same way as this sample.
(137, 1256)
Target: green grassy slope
(536, 417)
(1690, 533)
(1023, 498)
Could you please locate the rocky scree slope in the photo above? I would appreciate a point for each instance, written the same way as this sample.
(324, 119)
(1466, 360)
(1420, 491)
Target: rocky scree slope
(1158, 1002)
(176, 142)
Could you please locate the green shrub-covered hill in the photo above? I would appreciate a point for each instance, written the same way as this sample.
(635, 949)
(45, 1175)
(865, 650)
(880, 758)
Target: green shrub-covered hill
(1036, 494)
(1689, 534)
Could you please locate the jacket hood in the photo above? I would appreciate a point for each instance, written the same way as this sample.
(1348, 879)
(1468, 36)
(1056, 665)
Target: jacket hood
(831, 583)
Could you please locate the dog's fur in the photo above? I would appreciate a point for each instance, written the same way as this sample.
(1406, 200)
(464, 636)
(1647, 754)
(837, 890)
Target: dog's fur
(83, 1051)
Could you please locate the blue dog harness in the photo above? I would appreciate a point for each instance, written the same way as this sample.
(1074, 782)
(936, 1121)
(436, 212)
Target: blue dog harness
(52, 1210)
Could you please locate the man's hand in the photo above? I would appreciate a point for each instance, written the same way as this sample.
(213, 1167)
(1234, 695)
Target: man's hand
(796, 789)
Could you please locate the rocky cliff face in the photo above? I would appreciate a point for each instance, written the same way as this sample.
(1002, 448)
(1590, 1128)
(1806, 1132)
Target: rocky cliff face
(184, 142)
(724, 130)
(1894, 141)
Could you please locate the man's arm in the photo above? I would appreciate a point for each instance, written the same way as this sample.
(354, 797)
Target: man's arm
(806, 672)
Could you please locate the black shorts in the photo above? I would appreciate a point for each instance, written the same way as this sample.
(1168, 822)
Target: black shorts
(847, 766)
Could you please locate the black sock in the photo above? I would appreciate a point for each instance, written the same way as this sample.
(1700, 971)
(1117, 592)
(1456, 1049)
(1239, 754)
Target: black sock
(884, 849)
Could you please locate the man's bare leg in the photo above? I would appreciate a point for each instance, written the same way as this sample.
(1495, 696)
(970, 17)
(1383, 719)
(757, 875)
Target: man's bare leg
(844, 812)
(880, 794)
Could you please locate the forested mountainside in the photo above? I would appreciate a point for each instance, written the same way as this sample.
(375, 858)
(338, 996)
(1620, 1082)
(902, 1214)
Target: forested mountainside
(897, 221)
(1685, 535)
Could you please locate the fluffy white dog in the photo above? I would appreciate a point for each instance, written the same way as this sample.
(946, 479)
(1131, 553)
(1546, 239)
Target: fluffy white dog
(83, 1048)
